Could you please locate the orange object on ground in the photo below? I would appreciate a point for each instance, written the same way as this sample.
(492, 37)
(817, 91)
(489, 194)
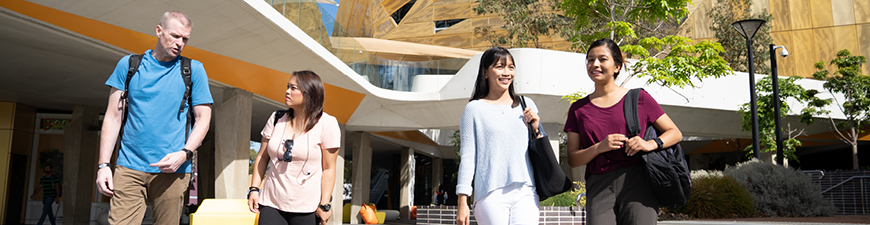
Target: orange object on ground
(368, 214)
(414, 212)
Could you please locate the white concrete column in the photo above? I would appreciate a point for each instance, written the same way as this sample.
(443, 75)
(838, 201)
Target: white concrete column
(232, 143)
(437, 176)
(81, 146)
(553, 130)
(406, 182)
(362, 164)
(337, 199)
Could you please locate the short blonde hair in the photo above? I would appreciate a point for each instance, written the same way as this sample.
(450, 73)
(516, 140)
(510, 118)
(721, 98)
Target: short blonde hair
(175, 15)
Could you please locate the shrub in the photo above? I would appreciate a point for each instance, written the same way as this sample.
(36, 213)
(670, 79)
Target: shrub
(567, 198)
(780, 191)
(715, 195)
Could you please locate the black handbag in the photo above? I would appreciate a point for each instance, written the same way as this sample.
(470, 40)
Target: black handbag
(550, 180)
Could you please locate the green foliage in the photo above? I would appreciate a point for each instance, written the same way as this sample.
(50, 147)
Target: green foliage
(780, 191)
(715, 195)
(525, 21)
(252, 155)
(456, 141)
(788, 89)
(567, 198)
(573, 97)
(728, 11)
(855, 87)
(683, 61)
(619, 19)
(645, 29)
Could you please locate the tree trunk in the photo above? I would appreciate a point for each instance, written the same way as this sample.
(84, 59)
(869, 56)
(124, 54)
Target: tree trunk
(854, 148)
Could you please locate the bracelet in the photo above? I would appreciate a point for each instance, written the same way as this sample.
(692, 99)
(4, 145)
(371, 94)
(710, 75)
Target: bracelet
(252, 189)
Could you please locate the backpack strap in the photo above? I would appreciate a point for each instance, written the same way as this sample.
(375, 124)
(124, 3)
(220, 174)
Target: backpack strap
(278, 115)
(188, 85)
(132, 67)
(630, 109)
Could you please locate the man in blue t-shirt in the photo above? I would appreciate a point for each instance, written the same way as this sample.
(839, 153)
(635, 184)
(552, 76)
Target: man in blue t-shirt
(154, 160)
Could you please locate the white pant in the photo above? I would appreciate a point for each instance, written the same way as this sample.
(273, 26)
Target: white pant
(518, 201)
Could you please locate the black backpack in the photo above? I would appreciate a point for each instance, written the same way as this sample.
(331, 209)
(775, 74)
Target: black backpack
(134, 62)
(666, 168)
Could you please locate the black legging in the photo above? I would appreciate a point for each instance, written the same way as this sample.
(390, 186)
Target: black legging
(273, 216)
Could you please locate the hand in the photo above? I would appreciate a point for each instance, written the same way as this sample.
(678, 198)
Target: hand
(33, 196)
(612, 142)
(530, 116)
(323, 215)
(57, 200)
(171, 162)
(637, 144)
(462, 214)
(254, 201)
(104, 181)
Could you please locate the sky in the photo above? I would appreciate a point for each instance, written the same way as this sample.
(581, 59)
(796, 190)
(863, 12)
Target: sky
(331, 9)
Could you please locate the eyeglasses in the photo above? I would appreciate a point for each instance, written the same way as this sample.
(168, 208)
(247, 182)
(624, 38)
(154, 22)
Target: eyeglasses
(288, 153)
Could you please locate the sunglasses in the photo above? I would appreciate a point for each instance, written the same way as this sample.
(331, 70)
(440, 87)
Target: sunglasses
(288, 153)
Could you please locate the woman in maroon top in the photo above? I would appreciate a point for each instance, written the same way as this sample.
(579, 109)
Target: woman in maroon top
(618, 190)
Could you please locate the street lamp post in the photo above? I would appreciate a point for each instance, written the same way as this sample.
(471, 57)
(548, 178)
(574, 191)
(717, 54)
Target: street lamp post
(747, 28)
(775, 79)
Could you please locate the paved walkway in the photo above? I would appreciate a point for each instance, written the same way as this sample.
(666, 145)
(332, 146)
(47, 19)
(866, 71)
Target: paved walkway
(838, 220)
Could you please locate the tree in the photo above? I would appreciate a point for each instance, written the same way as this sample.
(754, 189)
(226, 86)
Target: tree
(788, 89)
(525, 21)
(667, 59)
(618, 19)
(855, 88)
(728, 11)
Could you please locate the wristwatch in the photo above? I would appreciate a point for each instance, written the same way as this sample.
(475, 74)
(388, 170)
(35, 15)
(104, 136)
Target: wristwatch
(326, 207)
(189, 153)
(102, 165)
(659, 143)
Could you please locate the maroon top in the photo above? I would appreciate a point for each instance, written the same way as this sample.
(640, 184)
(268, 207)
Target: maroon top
(594, 123)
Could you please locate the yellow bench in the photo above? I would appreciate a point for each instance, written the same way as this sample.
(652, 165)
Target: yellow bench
(223, 211)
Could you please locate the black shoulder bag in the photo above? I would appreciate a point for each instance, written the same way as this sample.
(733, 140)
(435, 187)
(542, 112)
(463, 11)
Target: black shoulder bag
(550, 180)
(666, 167)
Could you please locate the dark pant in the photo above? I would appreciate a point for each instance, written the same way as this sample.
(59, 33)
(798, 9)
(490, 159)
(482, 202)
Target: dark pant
(623, 196)
(47, 210)
(273, 216)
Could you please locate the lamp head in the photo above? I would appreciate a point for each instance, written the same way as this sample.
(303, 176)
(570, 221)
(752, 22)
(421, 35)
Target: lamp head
(747, 28)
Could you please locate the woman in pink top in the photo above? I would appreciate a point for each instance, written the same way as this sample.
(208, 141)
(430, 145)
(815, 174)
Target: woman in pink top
(618, 190)
(301, 150)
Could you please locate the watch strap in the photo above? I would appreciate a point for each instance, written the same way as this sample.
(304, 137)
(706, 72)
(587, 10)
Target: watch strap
(189, 153)
(659, 143)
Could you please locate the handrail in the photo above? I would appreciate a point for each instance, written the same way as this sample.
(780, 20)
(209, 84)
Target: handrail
(815, 171)
(847, 180)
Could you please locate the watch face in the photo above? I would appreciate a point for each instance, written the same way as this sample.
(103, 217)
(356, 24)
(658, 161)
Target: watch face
(326, 207)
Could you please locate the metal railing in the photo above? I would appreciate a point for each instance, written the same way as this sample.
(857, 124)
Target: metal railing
(846, 203)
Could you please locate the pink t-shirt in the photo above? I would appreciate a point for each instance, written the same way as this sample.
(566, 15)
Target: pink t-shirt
(594, 123)
(295, 186)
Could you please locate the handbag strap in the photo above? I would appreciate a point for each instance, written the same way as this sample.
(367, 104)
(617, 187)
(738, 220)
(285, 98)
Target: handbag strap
(532, 134)
(630, 109)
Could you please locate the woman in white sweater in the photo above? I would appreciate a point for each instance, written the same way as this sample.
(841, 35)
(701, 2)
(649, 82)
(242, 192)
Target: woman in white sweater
(494, 147)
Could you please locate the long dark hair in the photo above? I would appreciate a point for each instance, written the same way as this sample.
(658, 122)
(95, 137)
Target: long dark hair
(491, 57)
(614, 52)
(312, 89)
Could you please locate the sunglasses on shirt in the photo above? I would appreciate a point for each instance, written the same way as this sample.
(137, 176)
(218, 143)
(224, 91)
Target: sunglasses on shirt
(288, 153)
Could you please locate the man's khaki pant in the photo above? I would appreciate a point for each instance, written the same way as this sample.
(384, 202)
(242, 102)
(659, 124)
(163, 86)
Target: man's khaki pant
(165, 192)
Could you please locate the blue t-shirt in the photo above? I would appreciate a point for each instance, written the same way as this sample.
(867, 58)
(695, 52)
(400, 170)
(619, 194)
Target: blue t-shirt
(154, 126)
